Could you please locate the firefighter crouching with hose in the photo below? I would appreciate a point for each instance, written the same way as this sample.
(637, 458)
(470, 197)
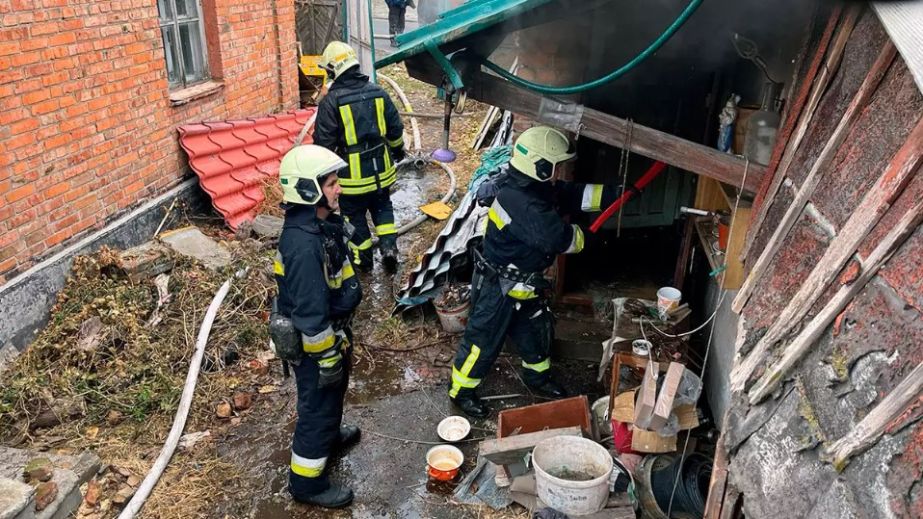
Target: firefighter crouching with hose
(509, 295)
(359, 122)
(309, 326)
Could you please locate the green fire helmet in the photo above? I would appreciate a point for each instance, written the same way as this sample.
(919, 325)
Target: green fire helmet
(538, 150)
(338, 57)
(302, 170)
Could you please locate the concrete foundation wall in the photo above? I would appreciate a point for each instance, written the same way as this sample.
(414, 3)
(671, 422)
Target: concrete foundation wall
(721, 354)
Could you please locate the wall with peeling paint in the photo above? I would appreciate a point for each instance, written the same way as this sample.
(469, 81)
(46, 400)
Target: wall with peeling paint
(776, 448)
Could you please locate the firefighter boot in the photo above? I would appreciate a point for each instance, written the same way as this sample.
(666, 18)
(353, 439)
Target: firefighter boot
(349, 436)
(548, 388)
(335, 496)
(389, 256)
(469, 403)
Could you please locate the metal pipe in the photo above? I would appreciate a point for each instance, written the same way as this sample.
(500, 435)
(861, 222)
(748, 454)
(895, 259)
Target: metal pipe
(372, 41)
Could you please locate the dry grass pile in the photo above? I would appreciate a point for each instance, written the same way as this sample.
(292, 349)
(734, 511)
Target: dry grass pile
(102, 375)
(128, 367)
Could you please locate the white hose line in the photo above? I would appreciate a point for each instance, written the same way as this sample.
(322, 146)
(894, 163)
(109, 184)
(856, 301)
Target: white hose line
(417, 140)
(182, 412)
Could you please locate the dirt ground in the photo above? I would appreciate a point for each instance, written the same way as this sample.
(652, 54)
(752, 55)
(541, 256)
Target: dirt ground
(118, 395)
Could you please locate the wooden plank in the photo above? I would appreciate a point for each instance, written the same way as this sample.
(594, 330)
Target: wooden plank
(899, 171)
(602, 127)
(824, 159)
(803, 111)
(685, 253)
(664, 406)
(716, 486)
(512, 449)
(708, 196)
(870, 429)
(647, 397)
(813, 331)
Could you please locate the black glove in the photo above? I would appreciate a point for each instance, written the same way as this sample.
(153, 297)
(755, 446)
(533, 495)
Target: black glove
(331, 371)
(398, 154)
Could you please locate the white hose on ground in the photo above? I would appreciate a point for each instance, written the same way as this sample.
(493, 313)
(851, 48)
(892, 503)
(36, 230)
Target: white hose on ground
(417, 146)
(417, 140)
(182, 412)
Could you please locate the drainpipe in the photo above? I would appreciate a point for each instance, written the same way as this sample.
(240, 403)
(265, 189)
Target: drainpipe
(346, 21)
(372, 41)
(277, 35)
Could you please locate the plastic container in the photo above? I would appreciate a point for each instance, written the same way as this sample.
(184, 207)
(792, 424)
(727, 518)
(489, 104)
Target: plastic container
(572, 474)
(443, 462)
(454, 319)
(600, 411)
(667, 299)
(453, 428)
(641, 347)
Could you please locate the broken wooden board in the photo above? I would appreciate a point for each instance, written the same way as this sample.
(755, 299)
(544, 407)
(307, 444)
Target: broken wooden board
(512, 449)
(664, 406)
(602, 127)
(650, 442)
(647, 397)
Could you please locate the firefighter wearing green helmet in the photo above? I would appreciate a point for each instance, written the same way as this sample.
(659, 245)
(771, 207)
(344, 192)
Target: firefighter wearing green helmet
(509, 293)
(318, 293)
(358, 121)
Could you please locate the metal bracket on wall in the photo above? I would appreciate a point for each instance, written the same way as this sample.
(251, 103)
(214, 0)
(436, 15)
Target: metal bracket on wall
(561, 114)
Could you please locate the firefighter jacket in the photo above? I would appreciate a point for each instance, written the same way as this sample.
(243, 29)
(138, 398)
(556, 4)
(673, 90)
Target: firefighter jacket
(525, 230)
(318, 288)
(358, 121)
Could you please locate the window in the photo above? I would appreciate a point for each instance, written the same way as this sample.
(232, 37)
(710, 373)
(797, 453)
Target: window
(183, 41)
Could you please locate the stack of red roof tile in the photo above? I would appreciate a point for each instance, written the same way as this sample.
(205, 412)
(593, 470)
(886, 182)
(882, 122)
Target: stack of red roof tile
(233, 159)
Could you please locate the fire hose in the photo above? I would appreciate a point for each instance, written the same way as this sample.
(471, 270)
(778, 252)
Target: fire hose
(629, 193)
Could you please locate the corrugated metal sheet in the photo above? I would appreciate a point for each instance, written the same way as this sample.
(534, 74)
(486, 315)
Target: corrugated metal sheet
(457, 23)
(904, 23)
(233, 159)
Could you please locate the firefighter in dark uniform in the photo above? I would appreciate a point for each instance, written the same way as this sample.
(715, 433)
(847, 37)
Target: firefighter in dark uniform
(358, 121)
(509, 295)
(318, 291)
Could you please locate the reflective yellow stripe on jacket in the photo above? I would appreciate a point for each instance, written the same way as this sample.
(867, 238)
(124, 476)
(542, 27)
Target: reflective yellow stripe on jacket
(349, 128)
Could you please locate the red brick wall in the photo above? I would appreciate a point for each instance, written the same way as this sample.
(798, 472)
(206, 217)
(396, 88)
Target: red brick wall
(87, 129)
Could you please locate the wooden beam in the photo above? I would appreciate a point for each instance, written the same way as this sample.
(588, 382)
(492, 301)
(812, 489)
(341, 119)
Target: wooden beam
(512, 449)
(824, 159)
(870, 429)
(605, 128)
(718, 483)
(803, 111)
(900, 170)
(814, 329)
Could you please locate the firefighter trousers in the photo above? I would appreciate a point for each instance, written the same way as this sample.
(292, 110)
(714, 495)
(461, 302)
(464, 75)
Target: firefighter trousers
(320, 413)
(355, 208)
(396, 16)
(494, 316)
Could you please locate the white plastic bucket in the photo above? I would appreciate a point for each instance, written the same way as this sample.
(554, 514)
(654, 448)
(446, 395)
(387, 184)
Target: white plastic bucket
(455, 319)
(572, 474)
(667, 299)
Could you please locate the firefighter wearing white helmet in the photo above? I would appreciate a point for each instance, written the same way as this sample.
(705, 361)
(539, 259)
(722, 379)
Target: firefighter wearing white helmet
(318, 293)
(359, 122)
(525, 233)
